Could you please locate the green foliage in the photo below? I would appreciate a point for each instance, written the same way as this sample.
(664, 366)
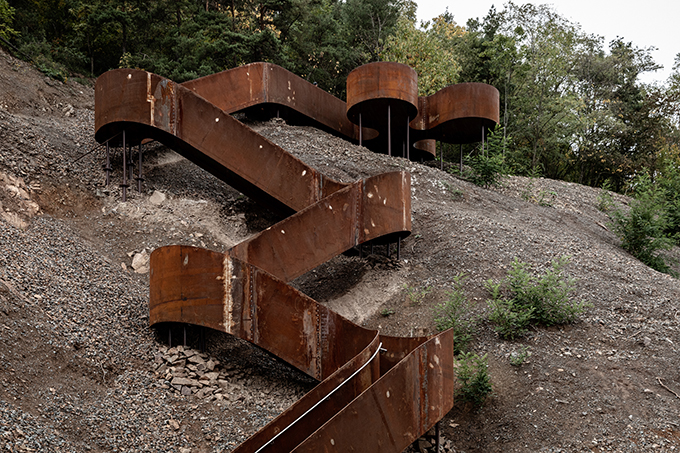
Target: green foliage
(455, 313)
(523, 299)
(43, 56)
(605, 201)
(6, 21)
(369, 24)
(511, 319)
(517, 358)
(488, 166)
(386, 312)
(642, 229)
(416, 294)
(546, 197)
(453, 191)
(473, 375)
(428, 49)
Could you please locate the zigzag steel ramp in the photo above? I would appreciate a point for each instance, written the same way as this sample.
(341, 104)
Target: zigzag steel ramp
(377, 393)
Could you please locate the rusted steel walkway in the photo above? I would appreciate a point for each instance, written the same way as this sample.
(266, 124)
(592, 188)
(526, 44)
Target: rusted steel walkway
(376, 393)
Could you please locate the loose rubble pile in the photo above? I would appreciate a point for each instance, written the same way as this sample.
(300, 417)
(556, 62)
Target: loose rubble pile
(189, 372)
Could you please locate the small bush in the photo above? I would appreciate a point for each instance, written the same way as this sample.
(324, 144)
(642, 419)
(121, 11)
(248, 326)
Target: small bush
(546, 197)
(387, 312)
(605, 201)
(416, 295)
(517, 358)
(454, 313)
(488, 167)
(642, 230)
(523, 299)
(473, 375)
(511, 321)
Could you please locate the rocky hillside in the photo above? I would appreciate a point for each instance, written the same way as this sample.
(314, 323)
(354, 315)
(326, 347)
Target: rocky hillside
(80, 370)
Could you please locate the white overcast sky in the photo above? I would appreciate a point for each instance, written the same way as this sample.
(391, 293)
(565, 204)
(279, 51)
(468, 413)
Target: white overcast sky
(649, 23)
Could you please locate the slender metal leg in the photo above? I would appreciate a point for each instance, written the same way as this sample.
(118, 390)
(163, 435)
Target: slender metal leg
(388, 249)
(107, 166)
(398, 249)
(461, 158)
(441, 156)
(408, 137)
(361, 132)
(140, 178)
(184, 329)
(483, 141)
(131, 163)
(124, 186)
(389, 130)
(437, 441)
(169, 335)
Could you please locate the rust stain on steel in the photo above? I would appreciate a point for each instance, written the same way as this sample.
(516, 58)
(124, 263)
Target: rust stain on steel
(372, 86)
(455, 114)
(269, 85)
(377, 393)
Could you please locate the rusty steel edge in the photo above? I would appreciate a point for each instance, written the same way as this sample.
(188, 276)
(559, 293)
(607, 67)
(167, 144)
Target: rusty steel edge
(455, 114)
(228, 292)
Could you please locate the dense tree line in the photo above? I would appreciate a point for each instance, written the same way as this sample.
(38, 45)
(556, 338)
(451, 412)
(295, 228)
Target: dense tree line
(321, 40)
(572, 106)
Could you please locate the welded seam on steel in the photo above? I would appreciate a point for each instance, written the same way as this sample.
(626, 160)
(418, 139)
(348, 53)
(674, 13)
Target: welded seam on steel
(245, 292)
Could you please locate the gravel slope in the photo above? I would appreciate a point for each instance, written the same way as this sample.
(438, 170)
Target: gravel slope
(81, 371)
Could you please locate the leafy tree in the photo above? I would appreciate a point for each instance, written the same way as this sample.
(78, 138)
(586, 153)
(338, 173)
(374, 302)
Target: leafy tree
(429, 49)
(368, 25)
(316, 48)
(6, 21)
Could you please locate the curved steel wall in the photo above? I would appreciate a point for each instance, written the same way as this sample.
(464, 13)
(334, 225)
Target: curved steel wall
(377, 393)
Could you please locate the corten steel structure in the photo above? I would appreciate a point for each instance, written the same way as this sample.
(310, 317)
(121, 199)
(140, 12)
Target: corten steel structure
(376, 393)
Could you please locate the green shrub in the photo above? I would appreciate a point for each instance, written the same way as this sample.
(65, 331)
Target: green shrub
(642, 230)
(523, 299)
(517, 358)
(605, 201)
(473, 375)
(488, 167)
(455, 313)
(42, 53)
(511, 320)
(415, 294)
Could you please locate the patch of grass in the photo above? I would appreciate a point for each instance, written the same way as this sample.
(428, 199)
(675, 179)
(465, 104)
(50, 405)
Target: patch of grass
(546, 197)
(455, 193)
